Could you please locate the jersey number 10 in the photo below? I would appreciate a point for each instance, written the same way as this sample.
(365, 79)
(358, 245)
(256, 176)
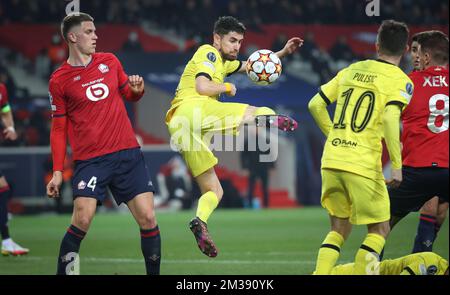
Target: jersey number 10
(368, 95)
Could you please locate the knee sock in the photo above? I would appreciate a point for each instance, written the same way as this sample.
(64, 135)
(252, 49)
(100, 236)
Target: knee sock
(329, 253)
(206, 205)
(368, 256)
(151, 249)
(4, 194)
(68, 253)
(4, 232)
(426, 233)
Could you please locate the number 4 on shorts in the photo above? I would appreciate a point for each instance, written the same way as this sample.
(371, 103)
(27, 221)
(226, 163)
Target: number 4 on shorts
(92, 183)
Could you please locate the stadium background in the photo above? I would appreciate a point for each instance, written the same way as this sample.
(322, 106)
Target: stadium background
(155, 39)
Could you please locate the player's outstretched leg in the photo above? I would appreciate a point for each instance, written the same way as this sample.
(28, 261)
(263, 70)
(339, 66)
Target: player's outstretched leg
(282, 122)
(266, 117)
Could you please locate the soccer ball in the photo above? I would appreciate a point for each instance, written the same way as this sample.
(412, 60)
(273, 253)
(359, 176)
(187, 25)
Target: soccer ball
(263, 67)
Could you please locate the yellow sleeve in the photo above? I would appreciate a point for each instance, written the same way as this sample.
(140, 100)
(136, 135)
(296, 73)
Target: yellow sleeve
(415, 269)
(401, 93)
(330, 90)
(206, 62)
(232, 67)
(391, 125)
(318, 109)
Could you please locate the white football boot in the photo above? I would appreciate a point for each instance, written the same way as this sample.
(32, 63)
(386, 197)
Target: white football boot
(9, 247)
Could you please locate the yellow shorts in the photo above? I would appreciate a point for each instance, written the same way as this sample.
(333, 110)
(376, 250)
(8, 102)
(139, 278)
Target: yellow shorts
(349, 195)
(192, 124)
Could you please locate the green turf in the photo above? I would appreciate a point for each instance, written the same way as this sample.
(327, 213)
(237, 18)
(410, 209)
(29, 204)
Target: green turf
(249, 242)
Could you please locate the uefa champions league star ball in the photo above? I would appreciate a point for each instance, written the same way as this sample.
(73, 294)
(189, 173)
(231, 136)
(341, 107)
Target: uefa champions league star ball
(263, 67)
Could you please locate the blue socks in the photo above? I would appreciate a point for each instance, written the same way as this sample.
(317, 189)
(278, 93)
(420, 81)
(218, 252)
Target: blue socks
(426, 234)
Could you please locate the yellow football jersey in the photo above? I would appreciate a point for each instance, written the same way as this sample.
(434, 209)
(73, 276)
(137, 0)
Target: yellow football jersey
(362, 92)
(424, 263)
(208, 62)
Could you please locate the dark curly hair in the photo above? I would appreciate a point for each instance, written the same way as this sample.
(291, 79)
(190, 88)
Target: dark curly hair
(226, 24)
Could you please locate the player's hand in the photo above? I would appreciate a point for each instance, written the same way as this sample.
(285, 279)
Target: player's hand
(54, 185)
(10, 133)
(396, 178)
(232, 89)
(292, 45)
(136, 83)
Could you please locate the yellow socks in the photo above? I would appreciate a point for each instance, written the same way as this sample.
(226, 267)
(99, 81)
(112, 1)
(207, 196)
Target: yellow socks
(368, 256)
(329, 253)
(206, 205)
(264, 111)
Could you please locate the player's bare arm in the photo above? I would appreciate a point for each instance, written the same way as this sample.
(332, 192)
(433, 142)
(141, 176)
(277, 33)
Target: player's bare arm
(204, 86)
(291, 46)
(9, 132)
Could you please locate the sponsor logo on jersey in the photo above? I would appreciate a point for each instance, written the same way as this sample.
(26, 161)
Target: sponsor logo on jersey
(103, 68)
(97, 92)
(92, 82)
(77, 78)
(343, 142)
(82, 185)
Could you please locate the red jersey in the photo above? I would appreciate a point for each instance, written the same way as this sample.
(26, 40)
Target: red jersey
(91, 99)
(3, 96)
(425, 120)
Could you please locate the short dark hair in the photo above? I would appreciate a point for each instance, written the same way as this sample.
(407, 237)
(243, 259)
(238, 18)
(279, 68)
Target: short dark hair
(73, 20)
(417, 36)
(392, 37)
(435, 43)
(226, 24)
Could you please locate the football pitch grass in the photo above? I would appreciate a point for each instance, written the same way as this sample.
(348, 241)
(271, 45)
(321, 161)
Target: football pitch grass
(250, 242)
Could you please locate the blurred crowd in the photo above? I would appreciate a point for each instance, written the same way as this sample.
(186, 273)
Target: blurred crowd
(174, 14)
(194, 19)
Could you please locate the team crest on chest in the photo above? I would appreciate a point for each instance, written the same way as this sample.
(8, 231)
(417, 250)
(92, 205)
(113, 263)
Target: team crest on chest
(103, 68)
